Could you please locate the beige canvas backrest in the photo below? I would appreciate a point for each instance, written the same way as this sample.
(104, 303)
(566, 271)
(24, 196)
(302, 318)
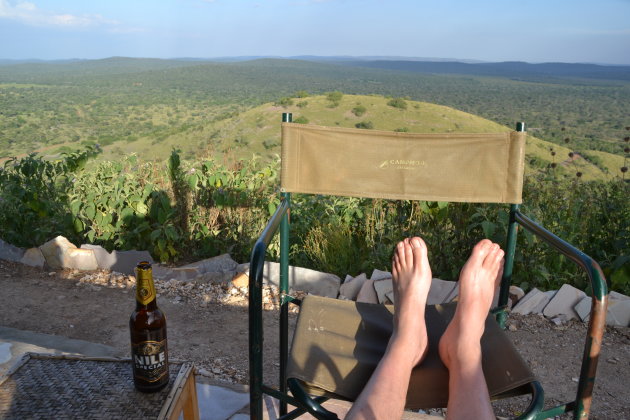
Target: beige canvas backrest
(407, 166)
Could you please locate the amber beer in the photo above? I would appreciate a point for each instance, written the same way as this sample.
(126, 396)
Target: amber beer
(147, 325)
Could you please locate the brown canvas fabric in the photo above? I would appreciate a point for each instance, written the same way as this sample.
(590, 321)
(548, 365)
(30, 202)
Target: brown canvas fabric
(407, 166)
(337, 345)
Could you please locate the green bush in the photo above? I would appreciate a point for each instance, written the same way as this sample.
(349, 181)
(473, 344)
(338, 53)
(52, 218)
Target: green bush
(359, 110)
(398, 103)
(365, 124)
(301, 120)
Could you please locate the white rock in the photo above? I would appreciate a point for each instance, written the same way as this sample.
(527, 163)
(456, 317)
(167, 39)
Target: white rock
(380, 275)
(441, 291)
(34, 258)
(618, 313)
(382, 287)
(350, 289)
(531, 302)
(563, 302)
(367, 293)
(583, 308)
(218, 264)
(61, 253)
(304, 279)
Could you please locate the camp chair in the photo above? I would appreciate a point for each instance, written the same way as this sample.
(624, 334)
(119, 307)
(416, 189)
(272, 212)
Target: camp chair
(338, 358)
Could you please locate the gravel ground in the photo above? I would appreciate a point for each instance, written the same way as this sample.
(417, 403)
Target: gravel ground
(207, 324)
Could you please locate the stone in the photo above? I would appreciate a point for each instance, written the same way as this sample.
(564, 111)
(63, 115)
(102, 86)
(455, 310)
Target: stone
(61, 253)
(380, 275)
(583, 308)
(516, 294)
(9, 252)
(618, 313)
(177, 273)
(54, 252)
(350, 289)
(382, 287)
(532, 302)
(563, 302)
(390, 297)
(441, 291)
(214, 277)
(367, 293)
(218, 264)
(124, 262)
(34, 258)
(104, 259)
(617, 296)
(240, 280)
(303, 279)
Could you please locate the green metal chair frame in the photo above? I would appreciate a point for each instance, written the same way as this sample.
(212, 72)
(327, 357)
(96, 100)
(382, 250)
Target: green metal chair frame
(580, 406)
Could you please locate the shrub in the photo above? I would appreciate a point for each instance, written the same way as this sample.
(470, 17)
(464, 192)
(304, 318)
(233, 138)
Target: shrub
(301, 94)
(359, 110)
(284, 102)
(365, 124)
(301, 120)
(398, 103)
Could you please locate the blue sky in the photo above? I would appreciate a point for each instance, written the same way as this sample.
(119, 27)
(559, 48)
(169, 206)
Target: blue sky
(491, 30)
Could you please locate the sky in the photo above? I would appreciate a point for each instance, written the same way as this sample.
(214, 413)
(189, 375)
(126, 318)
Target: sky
(586, 31)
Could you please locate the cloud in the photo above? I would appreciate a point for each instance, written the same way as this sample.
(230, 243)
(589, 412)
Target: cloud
(28, 13)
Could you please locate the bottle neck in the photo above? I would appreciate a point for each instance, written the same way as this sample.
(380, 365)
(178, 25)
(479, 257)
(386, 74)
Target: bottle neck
(146, 297)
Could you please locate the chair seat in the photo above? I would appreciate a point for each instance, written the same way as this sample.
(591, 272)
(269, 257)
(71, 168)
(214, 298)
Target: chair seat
(337, 345)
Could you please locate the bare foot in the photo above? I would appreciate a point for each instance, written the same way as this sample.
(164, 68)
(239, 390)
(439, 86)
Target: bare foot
(480, 276)
(411, 280)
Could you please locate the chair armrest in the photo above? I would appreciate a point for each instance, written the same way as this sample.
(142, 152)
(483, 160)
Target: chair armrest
(599, 306)
(313, 406)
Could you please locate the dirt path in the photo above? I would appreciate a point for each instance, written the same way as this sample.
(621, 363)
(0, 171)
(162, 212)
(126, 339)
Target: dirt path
(215, 337)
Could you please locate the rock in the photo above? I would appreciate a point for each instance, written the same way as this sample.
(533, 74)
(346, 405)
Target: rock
(218, 264)
(240, 280)
(350, 289)
(563, 302)
(380, 275)
(516, 294)
(583, 308)
(618, 313)
(124, 262)
(214, 277)
(617, 296)
(34, 258)
(382, 287)
(177, 273)
(61, 253)
(367, 293)
(303, 279)
(441, 291)
(532, 303)
(9, 252)
(390, 297)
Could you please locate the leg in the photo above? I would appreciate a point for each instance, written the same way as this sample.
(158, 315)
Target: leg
(384, 395)
(460, 347)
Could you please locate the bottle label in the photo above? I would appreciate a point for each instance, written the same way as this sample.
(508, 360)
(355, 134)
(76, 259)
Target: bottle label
(145, 290)
(150, 360)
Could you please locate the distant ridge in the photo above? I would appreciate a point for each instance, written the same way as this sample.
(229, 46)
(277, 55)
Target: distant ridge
(511, 69)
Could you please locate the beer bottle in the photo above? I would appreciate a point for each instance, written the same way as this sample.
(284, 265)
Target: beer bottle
(147, 325)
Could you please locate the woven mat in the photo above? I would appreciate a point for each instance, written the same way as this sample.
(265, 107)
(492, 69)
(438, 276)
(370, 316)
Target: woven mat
(66, 388)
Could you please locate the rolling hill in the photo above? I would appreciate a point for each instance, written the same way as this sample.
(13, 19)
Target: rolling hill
(257, 130)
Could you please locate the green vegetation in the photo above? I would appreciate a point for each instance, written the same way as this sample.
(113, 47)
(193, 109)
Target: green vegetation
(365, 124)
(176, 174)
(359, 110)
(397, 103)
(195, 209)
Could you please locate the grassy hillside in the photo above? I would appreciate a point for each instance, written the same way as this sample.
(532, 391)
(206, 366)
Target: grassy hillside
(258, 130)
(122, 100)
